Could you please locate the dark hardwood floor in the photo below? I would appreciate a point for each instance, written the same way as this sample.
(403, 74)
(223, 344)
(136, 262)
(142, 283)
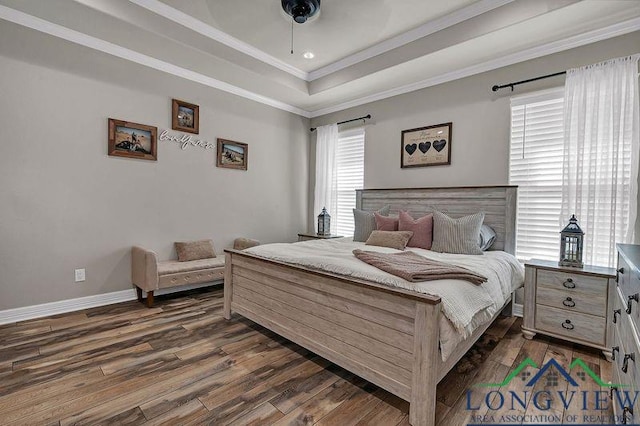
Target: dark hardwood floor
(181, 363)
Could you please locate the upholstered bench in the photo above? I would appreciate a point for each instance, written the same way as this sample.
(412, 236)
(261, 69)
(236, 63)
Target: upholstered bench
(149, 274)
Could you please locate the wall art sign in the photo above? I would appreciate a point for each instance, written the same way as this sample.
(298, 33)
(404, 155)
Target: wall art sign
(426, 146)
(185, 116)
(132, 140)
(186, 141)
(232, 155)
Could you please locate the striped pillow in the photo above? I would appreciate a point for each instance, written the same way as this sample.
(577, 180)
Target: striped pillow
(365, 223)
(458, 236)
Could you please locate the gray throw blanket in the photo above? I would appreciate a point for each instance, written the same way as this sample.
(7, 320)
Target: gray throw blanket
(413, 267)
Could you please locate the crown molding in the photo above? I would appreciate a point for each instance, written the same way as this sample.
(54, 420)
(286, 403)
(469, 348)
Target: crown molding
(431, 27)
(82, 39)
(588, 37)
(424, 30)
(38, 24)
(207, 30)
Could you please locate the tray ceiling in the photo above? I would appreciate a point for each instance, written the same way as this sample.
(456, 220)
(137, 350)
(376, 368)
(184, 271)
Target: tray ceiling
(365, 49)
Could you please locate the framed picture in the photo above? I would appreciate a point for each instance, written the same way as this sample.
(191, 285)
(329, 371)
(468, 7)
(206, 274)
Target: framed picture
(426, 146)
(185, 117)
(132, 140)
(232, 155)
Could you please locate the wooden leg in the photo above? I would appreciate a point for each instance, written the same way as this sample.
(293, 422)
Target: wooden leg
(139, 292)
(150, 299)
(528, 334)
(228, 286)
(608, 355)
(422, 407)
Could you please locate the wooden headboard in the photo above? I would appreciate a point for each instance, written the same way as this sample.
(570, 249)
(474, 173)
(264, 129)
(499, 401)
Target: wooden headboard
(497, 202)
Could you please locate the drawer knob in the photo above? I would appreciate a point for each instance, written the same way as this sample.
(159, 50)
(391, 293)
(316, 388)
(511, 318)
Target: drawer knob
(625, 361)
(626, 411)
(611, 390)
(569, 303)
(633, 297)
(616, 312)
(569, 283)
(614, 349)
(567, 324)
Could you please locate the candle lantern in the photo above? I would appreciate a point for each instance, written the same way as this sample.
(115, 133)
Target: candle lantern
(571, 239)
(324, 223)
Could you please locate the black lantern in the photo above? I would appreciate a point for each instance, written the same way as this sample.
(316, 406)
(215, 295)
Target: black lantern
(571, 244)
(324, 223)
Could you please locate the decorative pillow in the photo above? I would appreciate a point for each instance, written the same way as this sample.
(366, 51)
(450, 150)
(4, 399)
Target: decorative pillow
(422, 229)
(393, 239)
(487, 237)
(385, 223)
(194, 250)
(459, 236)
(364, 223)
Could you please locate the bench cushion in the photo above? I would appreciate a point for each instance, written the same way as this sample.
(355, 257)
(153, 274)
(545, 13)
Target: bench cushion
(175, 267)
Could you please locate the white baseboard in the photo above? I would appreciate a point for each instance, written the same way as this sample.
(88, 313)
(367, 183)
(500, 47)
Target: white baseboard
(517, 310)
(53, 308)
(62, 306)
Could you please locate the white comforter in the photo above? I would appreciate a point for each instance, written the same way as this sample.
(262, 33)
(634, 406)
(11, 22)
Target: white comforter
(465, 306)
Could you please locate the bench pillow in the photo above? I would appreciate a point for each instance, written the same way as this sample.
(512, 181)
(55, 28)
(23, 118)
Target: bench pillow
(194, 250)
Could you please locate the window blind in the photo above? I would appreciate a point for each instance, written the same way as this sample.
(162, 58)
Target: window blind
(537, 130)
(349, 176)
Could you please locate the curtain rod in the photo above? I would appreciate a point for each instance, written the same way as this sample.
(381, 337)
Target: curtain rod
(496, 87)
(366, 117)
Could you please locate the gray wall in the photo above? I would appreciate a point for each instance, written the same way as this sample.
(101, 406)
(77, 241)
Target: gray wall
(65, 204)
(480, 148)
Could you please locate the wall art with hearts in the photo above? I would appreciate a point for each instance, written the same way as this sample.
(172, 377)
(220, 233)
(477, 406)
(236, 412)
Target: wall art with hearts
(426, 146)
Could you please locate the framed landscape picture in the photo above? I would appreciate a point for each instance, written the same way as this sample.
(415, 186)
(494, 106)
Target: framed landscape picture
(426, 146)
(185, 117)
(132, 140)
(232, 155)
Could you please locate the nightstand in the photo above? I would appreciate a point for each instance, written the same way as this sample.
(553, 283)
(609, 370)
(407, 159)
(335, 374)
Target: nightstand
(573, 304)
(306, 237)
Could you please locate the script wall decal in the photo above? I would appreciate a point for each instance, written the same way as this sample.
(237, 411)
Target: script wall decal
(186, 141)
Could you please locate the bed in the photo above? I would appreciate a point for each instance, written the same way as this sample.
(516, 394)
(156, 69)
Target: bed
(387, 335)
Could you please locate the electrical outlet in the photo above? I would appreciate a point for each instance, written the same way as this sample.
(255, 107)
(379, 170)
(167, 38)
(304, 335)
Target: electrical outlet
(80, 275)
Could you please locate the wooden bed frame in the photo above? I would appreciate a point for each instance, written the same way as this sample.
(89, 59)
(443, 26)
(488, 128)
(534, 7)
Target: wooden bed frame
(388, 336)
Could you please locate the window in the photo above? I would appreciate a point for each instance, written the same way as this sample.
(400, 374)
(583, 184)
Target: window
(537, 134)
(350, 176)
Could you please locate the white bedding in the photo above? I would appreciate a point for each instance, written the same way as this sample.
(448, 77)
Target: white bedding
(465, 306)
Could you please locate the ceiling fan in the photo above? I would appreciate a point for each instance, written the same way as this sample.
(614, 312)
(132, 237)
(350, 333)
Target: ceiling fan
(301, 10)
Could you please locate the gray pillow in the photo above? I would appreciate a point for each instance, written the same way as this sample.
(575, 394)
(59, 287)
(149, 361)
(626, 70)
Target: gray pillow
(458, 236)
(487, 237)
(365, 223)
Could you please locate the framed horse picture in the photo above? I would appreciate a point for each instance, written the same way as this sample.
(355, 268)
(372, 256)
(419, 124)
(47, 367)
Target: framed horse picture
(132, 140)
(232, 155)
(185, 116)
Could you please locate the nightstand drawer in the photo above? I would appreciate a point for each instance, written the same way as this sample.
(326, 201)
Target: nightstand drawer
(574, 325)
(593, 304)
(573, 282)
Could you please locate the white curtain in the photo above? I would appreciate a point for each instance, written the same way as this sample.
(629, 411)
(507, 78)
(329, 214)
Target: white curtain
(601, 144)
(326, 191)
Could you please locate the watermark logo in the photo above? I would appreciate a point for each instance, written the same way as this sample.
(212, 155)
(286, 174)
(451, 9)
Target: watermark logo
(550, 394)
